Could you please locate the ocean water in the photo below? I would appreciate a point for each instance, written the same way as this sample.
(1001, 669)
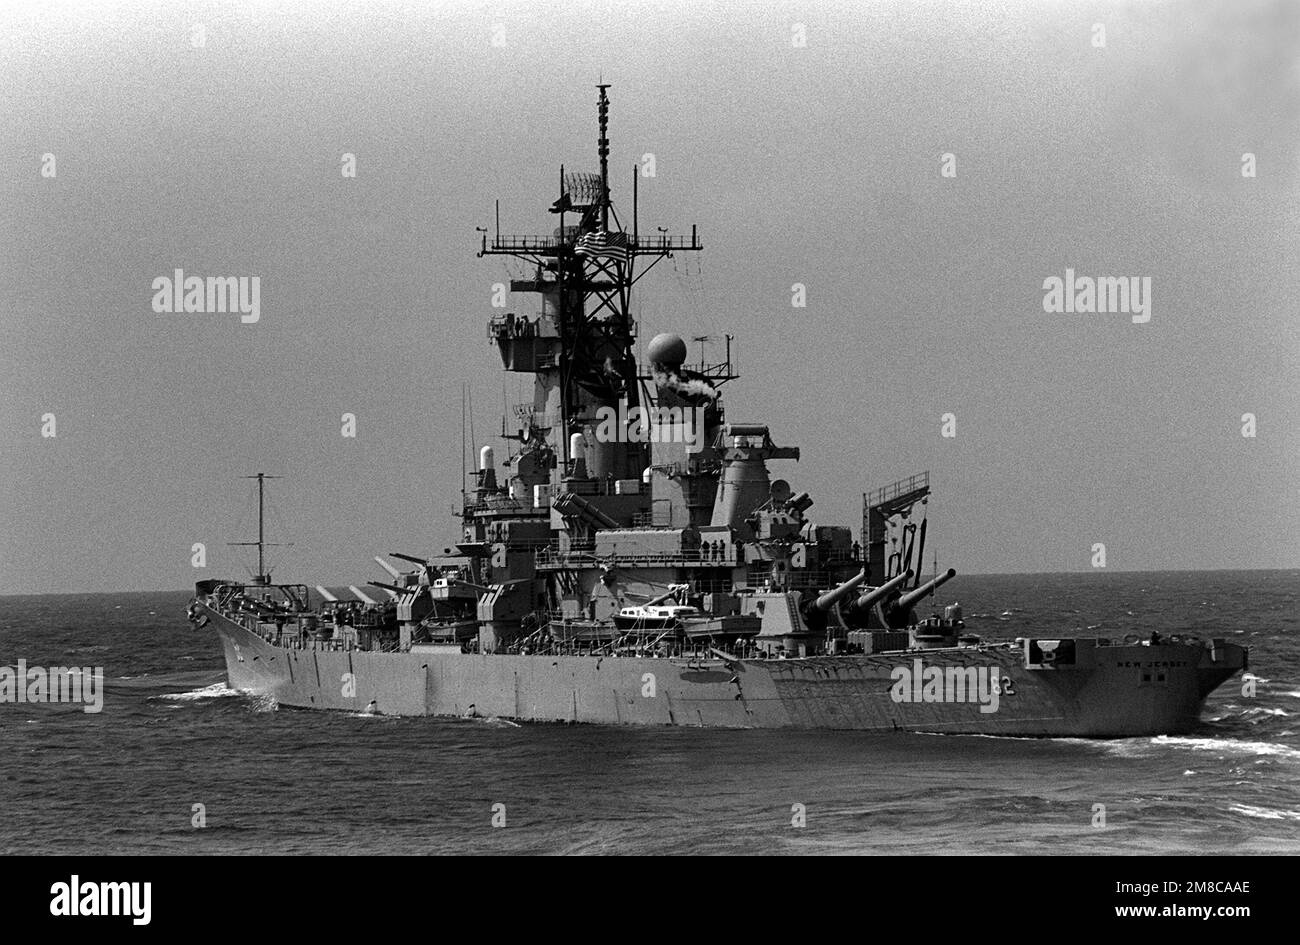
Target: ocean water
(278, 780)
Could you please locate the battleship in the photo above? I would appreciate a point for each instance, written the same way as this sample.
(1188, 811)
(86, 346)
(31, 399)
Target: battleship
(633, 559)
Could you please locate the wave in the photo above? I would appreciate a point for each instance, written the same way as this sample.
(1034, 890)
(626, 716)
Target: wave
(1264, 813)
(1149, 747)
(156, 684)
(260, 702)
(216, 691)
(494, 720)
(1124, 747)
(1251, 713)
(257, 702)
(506, 723)
(1258, 749)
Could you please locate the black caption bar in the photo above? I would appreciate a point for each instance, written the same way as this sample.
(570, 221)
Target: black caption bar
(237, 895)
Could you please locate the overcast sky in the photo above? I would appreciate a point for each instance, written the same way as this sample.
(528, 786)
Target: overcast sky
(817, 164)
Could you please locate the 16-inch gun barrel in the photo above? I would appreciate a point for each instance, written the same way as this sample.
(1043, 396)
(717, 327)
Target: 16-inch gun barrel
(410, 558)
(929, 587)
(833, 596)
(879, 593)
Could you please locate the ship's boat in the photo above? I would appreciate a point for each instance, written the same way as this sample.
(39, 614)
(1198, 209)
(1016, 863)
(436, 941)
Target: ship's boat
(633, 560)
(578, 631)
(654, 618)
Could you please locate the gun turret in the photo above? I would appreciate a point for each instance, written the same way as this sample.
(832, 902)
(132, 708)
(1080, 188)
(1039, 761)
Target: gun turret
(391, 587)
(828, 600)
(875, 594)
(906, 602)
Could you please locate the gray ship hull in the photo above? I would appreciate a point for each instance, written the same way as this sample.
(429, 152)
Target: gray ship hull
(1112, 691)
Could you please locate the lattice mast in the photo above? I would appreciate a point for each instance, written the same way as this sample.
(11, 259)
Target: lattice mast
(580, 345)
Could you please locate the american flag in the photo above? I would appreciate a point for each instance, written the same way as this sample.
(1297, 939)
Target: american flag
(599, 244)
